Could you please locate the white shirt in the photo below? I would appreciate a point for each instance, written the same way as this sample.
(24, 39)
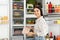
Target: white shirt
(41, 27)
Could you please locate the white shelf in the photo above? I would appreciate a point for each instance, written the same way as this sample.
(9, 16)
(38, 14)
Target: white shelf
(30, 16)
(29, 8)
(30, 12)
(18, 18)
(54, 14)
(17, 1)
(30, 24)
(18, 25)
(19, 9)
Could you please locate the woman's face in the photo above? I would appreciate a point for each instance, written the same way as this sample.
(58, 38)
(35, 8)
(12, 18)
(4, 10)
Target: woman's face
(37, 12)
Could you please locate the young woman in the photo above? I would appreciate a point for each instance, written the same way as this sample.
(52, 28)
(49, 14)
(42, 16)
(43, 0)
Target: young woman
(41, 27)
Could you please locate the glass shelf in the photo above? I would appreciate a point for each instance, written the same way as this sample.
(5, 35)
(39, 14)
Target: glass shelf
(19, 9)
(18, 1)
(18, 24)
(30, 24)
(18, 18)
(30, 8)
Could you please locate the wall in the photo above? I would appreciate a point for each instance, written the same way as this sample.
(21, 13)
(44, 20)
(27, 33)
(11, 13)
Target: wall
(4, 11)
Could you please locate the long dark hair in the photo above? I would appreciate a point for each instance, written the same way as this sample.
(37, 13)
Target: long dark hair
(39, 7)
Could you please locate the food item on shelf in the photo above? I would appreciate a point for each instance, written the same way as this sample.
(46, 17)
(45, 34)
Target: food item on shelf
(33, 22)
(30, 22)
(21, 7)
(30, 11)
(16, 14)
(29, 5)
(17, 22)
(17, 31)
(47, 37)
(31, 2)
(51, 37)
(15, 6)
(16, 0)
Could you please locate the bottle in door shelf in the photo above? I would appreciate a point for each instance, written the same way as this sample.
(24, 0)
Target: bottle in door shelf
(51, 37)
(47, 37)
(46, 7)
(53, 9)
(54, 37)
(57, 9)
(50, 7)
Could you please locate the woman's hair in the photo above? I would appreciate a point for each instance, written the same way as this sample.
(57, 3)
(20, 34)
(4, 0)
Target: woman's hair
(39, 7)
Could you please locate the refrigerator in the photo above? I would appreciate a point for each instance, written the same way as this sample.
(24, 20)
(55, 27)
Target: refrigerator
(22, 15)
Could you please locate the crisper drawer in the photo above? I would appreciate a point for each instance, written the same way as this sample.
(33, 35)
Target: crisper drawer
(17, 38)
